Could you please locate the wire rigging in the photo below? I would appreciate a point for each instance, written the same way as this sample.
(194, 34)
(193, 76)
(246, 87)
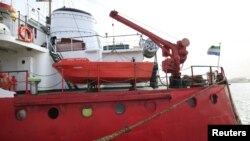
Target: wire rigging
(141, 23)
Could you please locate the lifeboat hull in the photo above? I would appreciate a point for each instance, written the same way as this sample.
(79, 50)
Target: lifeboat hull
(83, 71)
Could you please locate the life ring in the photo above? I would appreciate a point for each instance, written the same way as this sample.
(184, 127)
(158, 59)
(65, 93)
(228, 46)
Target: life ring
(25, 33)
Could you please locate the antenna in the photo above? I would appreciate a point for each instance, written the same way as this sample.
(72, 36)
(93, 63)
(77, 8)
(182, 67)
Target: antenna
(48, 20)
(49, 12)
(113, 28)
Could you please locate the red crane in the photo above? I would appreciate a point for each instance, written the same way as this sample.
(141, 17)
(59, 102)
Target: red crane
(176, 54)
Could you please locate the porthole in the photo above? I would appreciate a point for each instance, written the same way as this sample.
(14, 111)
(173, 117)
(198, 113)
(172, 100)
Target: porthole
(214, 98)
(120, 108)
(192, 102)
(53, 113)
(87, 111)
(21, 114)
(23, 61)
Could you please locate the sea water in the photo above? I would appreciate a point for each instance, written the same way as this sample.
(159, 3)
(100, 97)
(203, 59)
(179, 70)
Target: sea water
(241, 97)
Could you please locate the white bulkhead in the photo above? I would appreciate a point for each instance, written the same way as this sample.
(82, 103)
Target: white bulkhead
(72, 27)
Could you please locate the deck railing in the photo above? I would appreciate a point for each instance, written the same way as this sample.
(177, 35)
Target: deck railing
(13, 79)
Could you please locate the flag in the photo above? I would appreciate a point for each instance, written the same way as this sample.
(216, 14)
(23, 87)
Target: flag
(214, 50)
(43, 0)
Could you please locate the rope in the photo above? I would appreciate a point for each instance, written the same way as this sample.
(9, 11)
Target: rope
(160, 79)
(164, 111)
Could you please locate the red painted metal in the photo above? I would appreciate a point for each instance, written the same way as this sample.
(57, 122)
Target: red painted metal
(7, 82)
(176, 53)
(60, 116)
(80, 70)
(62, 73)
(26, 83)
(184, 123)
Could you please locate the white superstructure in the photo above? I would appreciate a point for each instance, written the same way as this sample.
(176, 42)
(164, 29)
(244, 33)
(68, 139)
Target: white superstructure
(17, 56)
(70, 35)
(75, 25)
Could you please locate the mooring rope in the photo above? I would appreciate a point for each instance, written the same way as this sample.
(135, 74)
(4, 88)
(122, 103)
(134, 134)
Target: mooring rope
(164, 111)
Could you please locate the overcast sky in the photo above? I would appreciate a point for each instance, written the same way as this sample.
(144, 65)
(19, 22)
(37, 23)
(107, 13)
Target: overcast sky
(203, 22)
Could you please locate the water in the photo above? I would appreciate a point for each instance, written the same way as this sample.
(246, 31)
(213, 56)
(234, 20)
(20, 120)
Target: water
(241, 97)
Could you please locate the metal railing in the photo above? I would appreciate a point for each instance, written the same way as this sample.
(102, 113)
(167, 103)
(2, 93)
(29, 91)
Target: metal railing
(15, 81)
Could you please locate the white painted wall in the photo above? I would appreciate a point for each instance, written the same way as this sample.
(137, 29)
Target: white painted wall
(122, 56)
(37, 63)
(72, 24)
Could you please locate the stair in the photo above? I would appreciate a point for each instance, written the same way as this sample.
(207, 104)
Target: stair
(56, 58)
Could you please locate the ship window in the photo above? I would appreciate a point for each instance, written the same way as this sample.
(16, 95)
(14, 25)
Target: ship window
(119, 108)
(69, 44)
(87, 111)
(192, 102)
(53, 113)
(214, 98)
(20, 114)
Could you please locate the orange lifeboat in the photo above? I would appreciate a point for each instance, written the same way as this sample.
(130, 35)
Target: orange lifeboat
(81, 71)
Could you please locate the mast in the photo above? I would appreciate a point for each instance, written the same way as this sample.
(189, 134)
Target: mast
(218, 64)
(49, 12)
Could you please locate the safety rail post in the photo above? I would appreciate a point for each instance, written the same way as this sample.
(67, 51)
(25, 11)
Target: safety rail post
(55, 48)
(15, 83)
(135, 76)
(167, 83)
(222, 73)
(98, 79)
(71, 44)
(62, 81)
(26, 83)
(192, 74)
(211, 75)
(19, 18)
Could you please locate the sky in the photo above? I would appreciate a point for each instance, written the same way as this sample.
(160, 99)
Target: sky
(203, 22)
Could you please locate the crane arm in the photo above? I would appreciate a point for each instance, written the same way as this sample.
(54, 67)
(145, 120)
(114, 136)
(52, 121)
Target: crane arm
(177, 52)
(156, 39)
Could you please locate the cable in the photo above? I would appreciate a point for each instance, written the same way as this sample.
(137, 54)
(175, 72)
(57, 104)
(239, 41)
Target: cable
(56, 84)
(160, 31)
(46, 75)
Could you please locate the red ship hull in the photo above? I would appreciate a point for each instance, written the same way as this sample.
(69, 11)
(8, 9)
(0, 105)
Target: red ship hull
(180, 121)
(79, 70)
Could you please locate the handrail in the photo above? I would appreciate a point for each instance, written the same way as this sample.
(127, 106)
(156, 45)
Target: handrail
(210, 73)
(26, 78)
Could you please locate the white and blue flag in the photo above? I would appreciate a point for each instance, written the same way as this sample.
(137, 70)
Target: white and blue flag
(214, 50)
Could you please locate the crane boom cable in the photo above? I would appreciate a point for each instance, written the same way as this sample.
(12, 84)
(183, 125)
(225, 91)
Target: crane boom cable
(155, 29)
(175, 53)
